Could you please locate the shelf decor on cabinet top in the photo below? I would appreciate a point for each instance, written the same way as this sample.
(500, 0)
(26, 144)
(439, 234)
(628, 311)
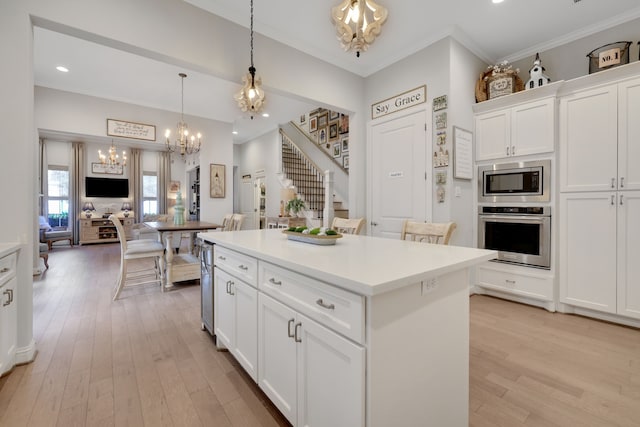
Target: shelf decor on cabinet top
(498, 80)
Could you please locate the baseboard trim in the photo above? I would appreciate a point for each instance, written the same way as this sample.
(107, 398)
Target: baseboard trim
(26, 354)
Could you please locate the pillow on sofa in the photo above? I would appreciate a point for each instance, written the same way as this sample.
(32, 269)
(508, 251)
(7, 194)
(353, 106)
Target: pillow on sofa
(43, 223)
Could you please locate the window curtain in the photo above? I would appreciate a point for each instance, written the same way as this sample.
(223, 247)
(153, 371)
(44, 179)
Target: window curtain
(136, 182)
(164, 178)
(76, 185)
(43, 178)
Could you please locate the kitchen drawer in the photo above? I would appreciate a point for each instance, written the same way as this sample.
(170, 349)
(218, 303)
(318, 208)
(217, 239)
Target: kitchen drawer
(7, 268)
(528, 285)
(239, 265)
(332, 307)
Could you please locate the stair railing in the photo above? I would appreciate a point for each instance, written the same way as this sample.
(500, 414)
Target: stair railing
(305, 175)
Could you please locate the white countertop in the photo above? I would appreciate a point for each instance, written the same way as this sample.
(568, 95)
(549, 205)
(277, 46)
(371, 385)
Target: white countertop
(362, 264)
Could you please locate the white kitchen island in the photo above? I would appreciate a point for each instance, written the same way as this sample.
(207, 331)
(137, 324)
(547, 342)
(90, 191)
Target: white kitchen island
(367, 332)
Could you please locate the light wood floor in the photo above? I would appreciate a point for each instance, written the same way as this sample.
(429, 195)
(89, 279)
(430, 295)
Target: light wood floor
(144, 361)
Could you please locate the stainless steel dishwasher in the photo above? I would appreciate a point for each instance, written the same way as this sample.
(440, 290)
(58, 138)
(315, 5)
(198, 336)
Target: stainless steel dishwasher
(206, 286)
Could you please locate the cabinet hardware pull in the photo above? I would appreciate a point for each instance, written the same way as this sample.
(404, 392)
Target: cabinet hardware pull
(231, 288)
(513, 150)
(295, 333)
(511, 282)
(621, 200)
(375, 224)
(10, 295)
(622, 182)
(613, 202)
(613, 183)
(289, 333)
(243, 267)
(507, 150)
(228, 286)
(221, 258)
(8, 301)
(323, 305)
(4, 270)
(273, 281)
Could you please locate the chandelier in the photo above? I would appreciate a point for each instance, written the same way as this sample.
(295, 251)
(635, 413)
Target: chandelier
(251, 96)
(112, 159)
(358, 23)
(184, 144)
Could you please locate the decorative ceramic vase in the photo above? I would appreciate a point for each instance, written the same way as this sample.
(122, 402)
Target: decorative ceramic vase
(178, 216)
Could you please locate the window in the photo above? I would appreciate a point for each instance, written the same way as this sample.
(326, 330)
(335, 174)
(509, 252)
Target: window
(58, 196)
(149, 193)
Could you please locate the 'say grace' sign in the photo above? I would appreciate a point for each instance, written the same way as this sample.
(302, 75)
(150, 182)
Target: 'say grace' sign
(132, 130)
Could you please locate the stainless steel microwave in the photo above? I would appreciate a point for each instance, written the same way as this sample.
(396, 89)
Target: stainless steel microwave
(515, 182)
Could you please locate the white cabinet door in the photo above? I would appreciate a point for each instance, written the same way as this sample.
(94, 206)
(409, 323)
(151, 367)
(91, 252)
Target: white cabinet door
(8, 325)
(245, 343)
(629, 253)
(331, 372)
(225, 309)
(588, 250)
(277, 375)
(493, 135)
(533, 128)
(629, 135)
(588, 140)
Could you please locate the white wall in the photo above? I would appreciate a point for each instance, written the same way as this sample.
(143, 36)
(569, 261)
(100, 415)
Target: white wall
(570, 60)
(85, 117)
(262, 154)
(465, 68)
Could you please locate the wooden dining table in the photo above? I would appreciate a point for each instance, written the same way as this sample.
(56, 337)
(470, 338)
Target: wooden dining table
(188, 263)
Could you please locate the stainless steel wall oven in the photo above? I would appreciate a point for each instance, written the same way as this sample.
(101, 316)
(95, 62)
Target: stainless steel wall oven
(520, 234)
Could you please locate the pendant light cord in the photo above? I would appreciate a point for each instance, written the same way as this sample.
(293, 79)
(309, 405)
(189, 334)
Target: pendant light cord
(252, 34)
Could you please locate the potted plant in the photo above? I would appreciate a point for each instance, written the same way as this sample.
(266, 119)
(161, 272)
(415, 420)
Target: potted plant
(295, 206)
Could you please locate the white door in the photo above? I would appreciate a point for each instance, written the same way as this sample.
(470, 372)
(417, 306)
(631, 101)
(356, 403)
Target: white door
(629, 253)
(533, 128)
(588, 250)
(399, 170)
(331, 374)
(629, 135)
(224, 311)
(246, 327)
(259, 203)
(588, 140)
(247, 205)
(277, 376)
(493, 135)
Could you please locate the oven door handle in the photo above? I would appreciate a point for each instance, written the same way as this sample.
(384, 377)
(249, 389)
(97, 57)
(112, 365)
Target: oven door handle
(515, 218)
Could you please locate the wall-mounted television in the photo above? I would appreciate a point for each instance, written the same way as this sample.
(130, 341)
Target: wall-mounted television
(106, 187)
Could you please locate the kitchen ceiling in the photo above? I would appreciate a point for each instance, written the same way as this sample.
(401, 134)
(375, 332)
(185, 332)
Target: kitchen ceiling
(510, 30)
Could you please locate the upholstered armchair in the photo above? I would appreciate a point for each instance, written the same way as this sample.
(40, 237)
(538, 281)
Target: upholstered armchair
(50, 234)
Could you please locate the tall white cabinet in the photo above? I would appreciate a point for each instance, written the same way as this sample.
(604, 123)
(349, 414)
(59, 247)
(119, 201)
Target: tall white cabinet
(600, 197)
(8, 308)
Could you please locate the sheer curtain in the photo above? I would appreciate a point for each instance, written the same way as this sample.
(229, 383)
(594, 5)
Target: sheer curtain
(75, 192)
(136, 183)
(164, 178)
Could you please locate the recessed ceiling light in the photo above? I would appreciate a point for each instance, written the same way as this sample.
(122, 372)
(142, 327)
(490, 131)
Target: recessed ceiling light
(235, 132)
(62, 69)
(265, 114)
(497, 1)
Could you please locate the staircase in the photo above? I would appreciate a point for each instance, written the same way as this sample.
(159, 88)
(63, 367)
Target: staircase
(307, 179)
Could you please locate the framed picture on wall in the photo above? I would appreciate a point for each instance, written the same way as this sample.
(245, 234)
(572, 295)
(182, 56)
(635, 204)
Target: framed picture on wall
(334, 115)
(333, 131)
(345, 162)
(322, 135)
(323, 120)
(313, 124)
(345, 144)
(337, 149)
(344, 123)
(217, 181)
